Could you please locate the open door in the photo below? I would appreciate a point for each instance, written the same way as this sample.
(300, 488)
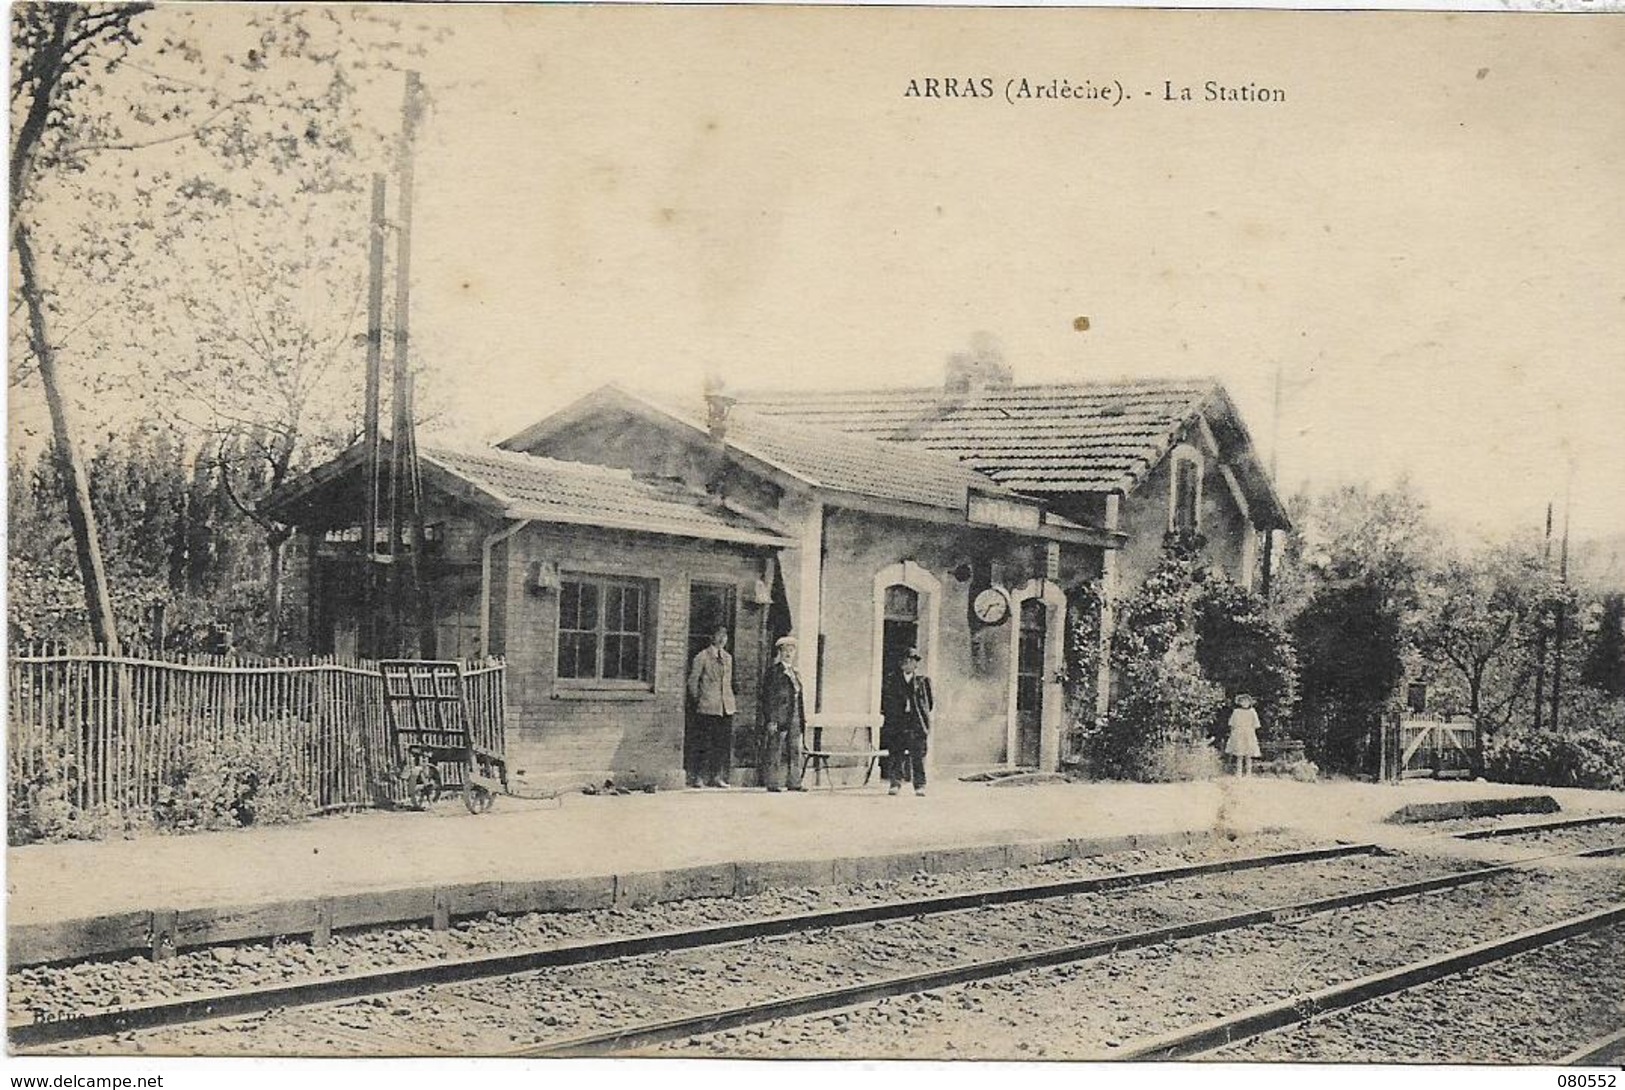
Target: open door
(709, 605)
(1030, 650)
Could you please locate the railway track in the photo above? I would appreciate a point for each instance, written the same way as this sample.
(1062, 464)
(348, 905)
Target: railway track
(1606, 1050)
(337, 988)
(1224, 1033)
(462, 1006)
(429, 981)
(1221, 1032)
(1559, 1003)
(1585, 821)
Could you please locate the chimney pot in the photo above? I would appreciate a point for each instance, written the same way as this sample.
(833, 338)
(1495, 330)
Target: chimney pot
(718, 405)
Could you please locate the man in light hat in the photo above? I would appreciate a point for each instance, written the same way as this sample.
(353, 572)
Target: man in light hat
(784, 716)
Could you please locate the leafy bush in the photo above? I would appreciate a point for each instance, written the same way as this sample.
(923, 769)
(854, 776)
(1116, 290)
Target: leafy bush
(1245, 650)
(1300, 770)
(1180, 761)
(243, 779)
(1591, 709)
(1183, 641)
(1165, 701)
(1583, 758)
(42, 804)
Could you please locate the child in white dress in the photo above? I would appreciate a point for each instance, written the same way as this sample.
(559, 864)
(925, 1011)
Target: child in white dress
(1243, 741)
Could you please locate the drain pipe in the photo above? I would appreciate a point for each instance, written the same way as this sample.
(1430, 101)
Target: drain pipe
(491, 541)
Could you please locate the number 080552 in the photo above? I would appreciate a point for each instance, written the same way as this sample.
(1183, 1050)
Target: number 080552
(1589, 1082)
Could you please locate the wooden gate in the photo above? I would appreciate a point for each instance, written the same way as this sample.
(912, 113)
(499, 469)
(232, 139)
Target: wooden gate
(1431, 747)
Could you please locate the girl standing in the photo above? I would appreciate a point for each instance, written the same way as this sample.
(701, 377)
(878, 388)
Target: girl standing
(1243, 741)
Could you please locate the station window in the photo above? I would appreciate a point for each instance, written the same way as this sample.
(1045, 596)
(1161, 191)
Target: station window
(1187, 493)
(606, 629)
(901, 616)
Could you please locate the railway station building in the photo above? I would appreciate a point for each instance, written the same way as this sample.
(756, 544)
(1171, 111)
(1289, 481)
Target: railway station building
(598, 548)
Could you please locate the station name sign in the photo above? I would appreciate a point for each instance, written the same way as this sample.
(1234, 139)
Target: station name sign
(1005, 513)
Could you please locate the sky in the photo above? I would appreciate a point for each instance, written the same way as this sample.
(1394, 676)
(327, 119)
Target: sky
(1424, 239)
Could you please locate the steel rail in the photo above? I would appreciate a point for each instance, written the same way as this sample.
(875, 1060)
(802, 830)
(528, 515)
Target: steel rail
(1603, 852)
(1605, 1051)
(1233, 1029)
(1540, 826)
(339, 987)
(660, 1032)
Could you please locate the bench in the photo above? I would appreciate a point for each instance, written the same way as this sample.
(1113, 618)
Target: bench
(844, 736)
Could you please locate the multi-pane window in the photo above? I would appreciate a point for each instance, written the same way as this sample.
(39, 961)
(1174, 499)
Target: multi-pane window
(606, 629)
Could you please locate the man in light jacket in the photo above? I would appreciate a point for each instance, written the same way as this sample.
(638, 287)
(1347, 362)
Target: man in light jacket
(711, 690)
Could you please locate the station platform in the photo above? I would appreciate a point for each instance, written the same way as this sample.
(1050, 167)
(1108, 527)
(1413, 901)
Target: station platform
(70, 899)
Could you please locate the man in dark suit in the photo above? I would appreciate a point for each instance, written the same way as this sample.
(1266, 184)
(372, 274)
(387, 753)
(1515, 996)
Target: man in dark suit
(784, 717)
(905, 721)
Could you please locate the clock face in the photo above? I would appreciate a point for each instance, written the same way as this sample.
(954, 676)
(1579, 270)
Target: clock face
(992, 606)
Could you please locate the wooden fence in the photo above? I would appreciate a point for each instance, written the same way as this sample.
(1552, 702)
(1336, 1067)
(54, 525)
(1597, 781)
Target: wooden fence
(112, 731)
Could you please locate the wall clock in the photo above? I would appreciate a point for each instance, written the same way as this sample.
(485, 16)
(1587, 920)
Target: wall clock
(991, 606)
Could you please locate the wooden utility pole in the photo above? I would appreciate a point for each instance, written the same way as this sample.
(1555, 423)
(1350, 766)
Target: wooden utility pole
(1540, 636)
(1562, 616)
(405, 486)
(1275, 427)
(1275, 448)
(372, 410)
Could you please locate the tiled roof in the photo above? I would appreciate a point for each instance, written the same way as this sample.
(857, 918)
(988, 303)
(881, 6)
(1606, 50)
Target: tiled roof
(549, 490)
(1091, 437)
(843, 462)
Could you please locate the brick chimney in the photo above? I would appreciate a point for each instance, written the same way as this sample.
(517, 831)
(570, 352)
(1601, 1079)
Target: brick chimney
(981, 368)
(718, 406)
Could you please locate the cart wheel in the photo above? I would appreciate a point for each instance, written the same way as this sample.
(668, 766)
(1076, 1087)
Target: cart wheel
(477, 799)
(423, 786)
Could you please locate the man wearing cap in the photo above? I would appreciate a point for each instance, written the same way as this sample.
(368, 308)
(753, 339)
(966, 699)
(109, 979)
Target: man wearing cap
(784, 715)
(905, 721)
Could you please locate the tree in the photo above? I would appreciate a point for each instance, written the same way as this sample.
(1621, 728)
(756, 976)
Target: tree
(265, 381)
(1604, 668)
(1383, 538)
(1246, 650)
(178, 161)
(1351, 583)
(1349, 649)
(53, 49)
(172, 539)
(1481, 616)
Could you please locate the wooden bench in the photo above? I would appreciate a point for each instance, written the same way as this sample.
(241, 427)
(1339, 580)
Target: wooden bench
(847, 737)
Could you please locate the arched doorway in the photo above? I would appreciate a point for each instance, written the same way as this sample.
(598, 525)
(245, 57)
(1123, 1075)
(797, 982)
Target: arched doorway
(908, 604)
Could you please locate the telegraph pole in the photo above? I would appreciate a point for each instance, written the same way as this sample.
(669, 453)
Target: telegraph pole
(1275, 453)
(1562, 611)
(371, 412)
(1540, 638)
(405, 485)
